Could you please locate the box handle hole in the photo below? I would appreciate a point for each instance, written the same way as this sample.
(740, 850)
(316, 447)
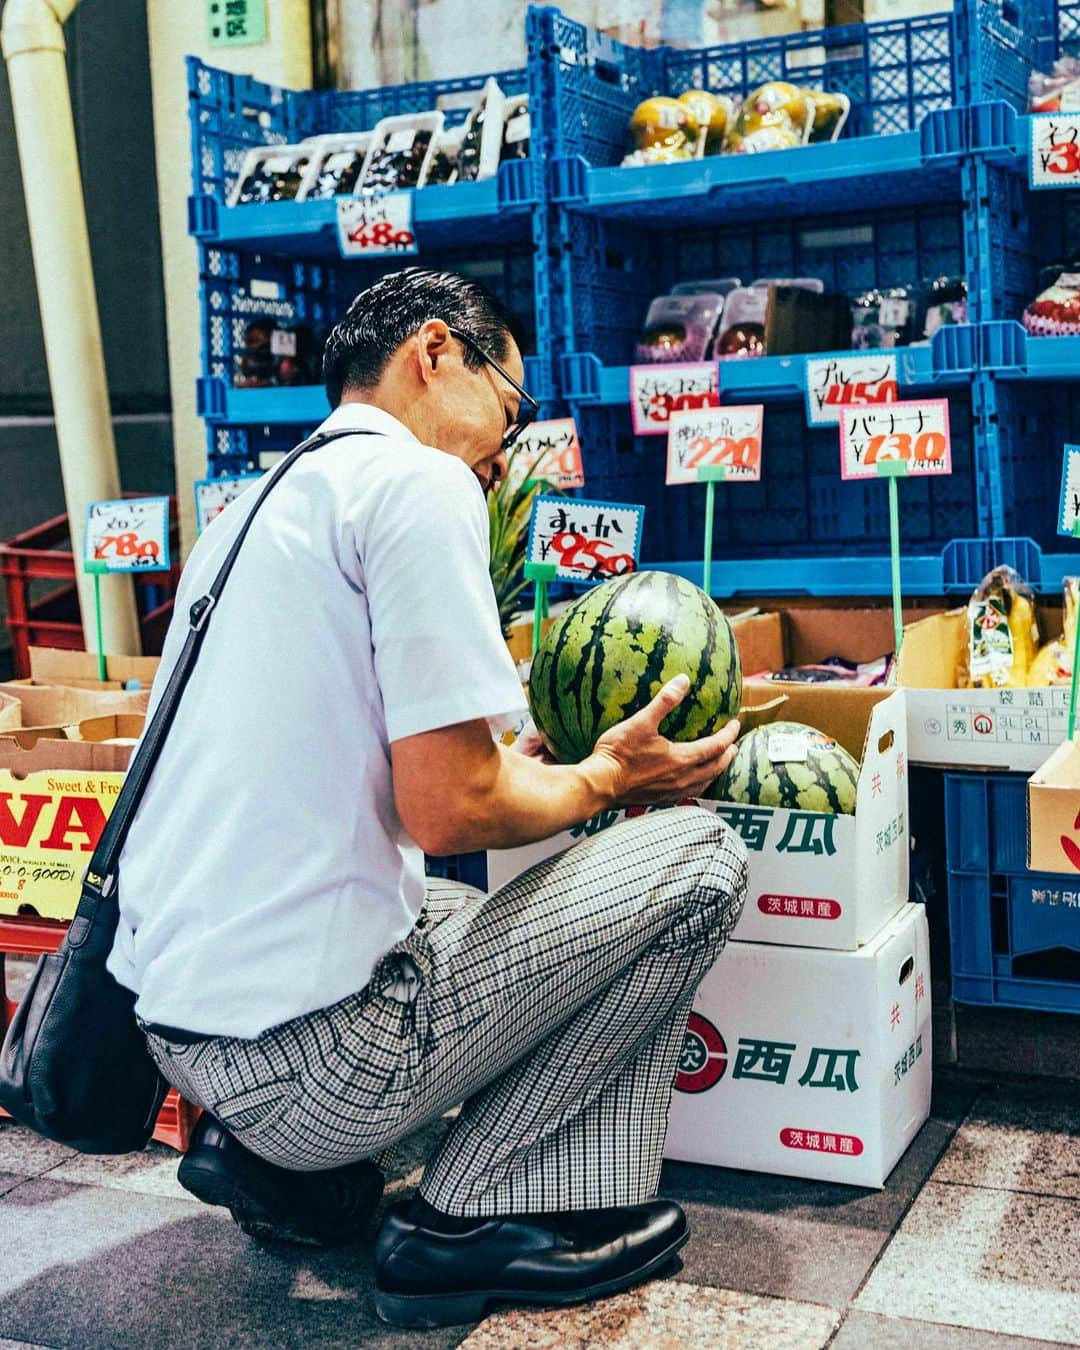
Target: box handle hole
(906, 969)
(887, 742)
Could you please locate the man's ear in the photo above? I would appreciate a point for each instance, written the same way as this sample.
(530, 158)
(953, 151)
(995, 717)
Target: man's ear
(432, 341)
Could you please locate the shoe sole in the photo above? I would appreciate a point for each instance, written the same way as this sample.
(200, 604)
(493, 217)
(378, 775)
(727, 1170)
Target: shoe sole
(210, 1186)
(448, 1310)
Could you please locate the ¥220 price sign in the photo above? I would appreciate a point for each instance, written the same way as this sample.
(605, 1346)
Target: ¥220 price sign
(131, 535)
(377, 226)
(585, 541)
(727, 438)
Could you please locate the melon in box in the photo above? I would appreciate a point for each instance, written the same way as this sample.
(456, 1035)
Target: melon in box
(809, 1063)
(816, 879)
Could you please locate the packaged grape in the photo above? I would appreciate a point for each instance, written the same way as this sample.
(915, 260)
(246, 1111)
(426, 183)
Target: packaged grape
(272, 173)
(443, 169)
(482, 143)
(830, 113)
(401, 152)
(516, 129)
(678, 328)
(337, 162)
(778, 116)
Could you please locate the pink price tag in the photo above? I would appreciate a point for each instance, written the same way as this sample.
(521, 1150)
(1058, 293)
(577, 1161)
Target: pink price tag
(549, 452)
(727, 437)
(658, 391)
(916, 433)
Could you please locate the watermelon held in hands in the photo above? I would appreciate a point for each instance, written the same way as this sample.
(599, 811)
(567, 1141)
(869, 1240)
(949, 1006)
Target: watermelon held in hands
(611, 652)
(790, 765)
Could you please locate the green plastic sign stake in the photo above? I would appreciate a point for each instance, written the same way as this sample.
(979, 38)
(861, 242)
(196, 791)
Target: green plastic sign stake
(892, 469)
(97, 567)
(710, 475)
(540, 574)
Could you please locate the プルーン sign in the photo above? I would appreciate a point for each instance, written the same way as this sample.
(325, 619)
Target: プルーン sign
(833, 382)
(1069, 513)
(550, 452)
(727, 437)
(377, 226)
(585, 540)
(915, 432)
(1054, 159)
(131, 535)
(213, 495)
(658, 391)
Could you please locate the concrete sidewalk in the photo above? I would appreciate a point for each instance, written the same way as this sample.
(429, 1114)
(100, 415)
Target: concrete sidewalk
(972, 1244)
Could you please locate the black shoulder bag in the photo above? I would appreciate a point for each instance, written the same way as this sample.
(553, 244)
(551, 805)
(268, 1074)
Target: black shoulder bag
(74, 1064)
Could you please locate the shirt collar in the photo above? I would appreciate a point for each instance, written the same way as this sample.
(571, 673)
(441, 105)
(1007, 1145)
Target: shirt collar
(366, 417)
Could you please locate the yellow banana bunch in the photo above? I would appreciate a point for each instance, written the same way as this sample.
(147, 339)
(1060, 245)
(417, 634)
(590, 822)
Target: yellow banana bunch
(1054, 663)
(1002, 633)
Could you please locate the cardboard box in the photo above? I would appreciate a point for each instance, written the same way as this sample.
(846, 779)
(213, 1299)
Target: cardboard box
(10, 712)
(816, 880)
(46, 705)
(1054, 812)
(809, 1063)
(50, 665)
(55, 797)
(974, 728)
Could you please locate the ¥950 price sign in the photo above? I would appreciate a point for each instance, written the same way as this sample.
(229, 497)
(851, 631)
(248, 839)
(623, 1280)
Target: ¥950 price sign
(130, 535)
(377, 226)
(727, 438)
(1054, 153)
(916, 433)
(585, 541)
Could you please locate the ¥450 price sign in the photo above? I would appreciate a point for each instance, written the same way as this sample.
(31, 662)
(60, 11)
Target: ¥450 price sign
(583, 540)
(130, 535)
(914, 433)
(832, 382)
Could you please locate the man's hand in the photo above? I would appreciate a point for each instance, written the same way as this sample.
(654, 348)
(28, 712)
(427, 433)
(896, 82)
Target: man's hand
(530, 744)
(644, 767)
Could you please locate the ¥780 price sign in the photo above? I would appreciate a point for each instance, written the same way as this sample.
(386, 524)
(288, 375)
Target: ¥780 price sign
(131, 535)
(585, 541)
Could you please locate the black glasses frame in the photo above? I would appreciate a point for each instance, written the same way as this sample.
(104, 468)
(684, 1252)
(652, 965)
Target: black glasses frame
(527, 408)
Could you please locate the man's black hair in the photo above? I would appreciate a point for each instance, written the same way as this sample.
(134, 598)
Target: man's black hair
(388, 313)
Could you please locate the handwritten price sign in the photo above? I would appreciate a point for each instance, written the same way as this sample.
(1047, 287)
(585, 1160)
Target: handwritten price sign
(1054, 159)
(130, 535)
(378, 226)
(917, 433)
(1069, 514)
(833, 382)
(550, 452)
(658, 391)
(586, 541)
(729, 437)
(213, 495)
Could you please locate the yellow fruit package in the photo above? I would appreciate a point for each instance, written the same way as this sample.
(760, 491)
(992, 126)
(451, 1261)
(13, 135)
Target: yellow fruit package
(1054, 663)
(1002, 633)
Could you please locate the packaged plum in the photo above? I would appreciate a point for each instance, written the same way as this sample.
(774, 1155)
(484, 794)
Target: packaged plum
(401, 151)
(715, 285)
(337, 162)
(273, 173)
(482, 142)
(516, 129)
(678, 328)
(741, 333)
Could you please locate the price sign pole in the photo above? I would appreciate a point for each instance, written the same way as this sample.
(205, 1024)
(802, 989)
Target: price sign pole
(129, 535)
(1069, 524)
(540, 574)
(710, 475)
(893, 441)
(97, 567)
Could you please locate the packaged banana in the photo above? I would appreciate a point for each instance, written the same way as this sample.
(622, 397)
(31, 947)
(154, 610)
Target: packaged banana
(1002, 633)
(1054, 663)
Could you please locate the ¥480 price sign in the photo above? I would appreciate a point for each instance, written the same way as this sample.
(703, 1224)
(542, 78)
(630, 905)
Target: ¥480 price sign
(377, 226)
(130, 535)
(585, 540)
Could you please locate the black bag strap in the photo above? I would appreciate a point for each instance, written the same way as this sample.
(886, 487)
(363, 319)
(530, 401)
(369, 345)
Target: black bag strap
(101, 872)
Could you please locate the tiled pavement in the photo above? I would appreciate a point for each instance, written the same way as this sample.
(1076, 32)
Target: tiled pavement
(972, 1244)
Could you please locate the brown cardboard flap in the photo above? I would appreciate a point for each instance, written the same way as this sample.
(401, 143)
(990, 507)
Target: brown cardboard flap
(753, 715)
(125, 727)
(50, 665)
(45, 752)
(836, 709)
(1053, 812)
(10, 712)
(760, 640)
(930, 656)
(45, 705)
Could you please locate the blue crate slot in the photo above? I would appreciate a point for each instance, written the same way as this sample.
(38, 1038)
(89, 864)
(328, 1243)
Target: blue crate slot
(470, 868)
(1014, 934)
(249, 449)
(1012, 353)
(865, 575)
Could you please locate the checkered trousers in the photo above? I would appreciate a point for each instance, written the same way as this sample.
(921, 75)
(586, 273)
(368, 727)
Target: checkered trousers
(554, 1009)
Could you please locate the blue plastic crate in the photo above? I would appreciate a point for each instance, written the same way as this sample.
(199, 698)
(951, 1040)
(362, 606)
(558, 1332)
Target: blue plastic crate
(1014, 934)
(470, 868)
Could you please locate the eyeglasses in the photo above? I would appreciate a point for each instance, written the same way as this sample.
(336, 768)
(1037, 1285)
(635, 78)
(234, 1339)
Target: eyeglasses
(528, 407)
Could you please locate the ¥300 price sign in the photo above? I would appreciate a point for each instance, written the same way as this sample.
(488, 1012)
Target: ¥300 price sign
(585, 541)
(130, 535)
(833, 382)
(727, 438)
(549, 452)
(915, 434)
(658, 391)
(378, 226)
(1054, 153)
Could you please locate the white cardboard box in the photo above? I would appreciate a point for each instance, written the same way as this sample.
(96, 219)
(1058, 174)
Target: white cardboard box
(809, 1063)
(816, 880)
(973, 728)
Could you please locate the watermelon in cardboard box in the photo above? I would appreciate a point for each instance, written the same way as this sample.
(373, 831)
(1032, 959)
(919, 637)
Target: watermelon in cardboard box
(780, 1073)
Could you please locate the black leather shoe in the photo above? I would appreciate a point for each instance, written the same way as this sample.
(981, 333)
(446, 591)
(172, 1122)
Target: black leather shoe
(425, 1278)
(318, 1209)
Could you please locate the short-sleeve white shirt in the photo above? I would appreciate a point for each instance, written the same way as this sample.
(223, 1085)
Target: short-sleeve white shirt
(267, 871)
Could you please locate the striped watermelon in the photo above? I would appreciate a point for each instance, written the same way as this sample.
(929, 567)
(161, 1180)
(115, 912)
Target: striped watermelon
(791, 765)
(611, 652)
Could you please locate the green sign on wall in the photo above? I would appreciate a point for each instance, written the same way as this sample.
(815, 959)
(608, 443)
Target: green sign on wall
(236, 23)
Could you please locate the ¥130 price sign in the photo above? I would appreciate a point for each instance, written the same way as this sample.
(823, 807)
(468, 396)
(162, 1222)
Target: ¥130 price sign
(131, 535)
(1054, 152)
(833, 382)
(377, 226)
(585, 541)
(550, 453)
(658, 391)
(213, 495)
